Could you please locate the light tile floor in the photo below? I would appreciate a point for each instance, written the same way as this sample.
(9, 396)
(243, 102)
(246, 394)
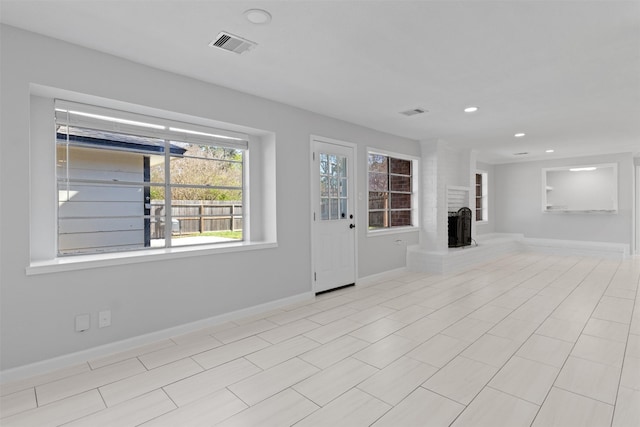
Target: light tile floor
(525, 340)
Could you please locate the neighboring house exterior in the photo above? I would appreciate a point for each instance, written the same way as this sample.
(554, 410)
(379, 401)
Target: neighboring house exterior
(94, 214)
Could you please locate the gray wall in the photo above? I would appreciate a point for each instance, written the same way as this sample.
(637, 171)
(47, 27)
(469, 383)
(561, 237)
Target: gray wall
(518, 203)
(37, 312)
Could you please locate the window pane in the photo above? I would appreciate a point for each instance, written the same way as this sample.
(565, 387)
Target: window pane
(401, 183)
(79, 163)
(344, 208)
(324, 186)
(400, 201)
(400, 166)
(112, 186)
(341, 168)
(378, 219)
(378, 200)
(333, 203)
(78, 136)
(390, 191)
(97, 218)
(333, 187)
(343, 187)
(206, 165)
(378, 163)
(324, 164)
(324, 209)
(378, 182)
(333, 165)
(400, 218)
(204, 221)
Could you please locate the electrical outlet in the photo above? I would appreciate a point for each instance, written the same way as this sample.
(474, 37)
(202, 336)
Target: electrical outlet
(104, 319)
(83, 322)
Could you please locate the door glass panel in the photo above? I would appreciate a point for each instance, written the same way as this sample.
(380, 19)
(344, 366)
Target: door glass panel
(333, 187)
(343, 187)
(324, 208)
(343, 208)
(334, 209)
(333, 190)
(324, 186)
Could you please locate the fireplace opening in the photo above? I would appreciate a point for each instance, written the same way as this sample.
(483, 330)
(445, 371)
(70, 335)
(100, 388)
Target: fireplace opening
(460, 228)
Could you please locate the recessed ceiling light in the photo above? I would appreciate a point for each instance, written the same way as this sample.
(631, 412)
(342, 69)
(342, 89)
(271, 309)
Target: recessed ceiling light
(549, 151)
(471, 109)
(257, 16)
(582, 169)
(519, 135)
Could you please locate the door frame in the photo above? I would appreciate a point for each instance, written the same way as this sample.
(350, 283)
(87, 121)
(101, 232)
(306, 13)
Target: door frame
(313, 194)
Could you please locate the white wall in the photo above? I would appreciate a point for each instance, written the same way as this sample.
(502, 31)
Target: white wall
(518, 203)
(37, 312)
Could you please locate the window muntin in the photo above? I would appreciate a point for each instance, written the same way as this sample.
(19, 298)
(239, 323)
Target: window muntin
(128, 182)
(391, 191)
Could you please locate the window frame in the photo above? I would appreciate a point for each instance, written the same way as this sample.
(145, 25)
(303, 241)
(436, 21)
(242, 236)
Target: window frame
(144, 134)
(415, 207)
(260, 228)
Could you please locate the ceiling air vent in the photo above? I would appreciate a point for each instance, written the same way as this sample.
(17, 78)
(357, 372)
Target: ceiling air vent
(413, 112)
(520, 154)
(232, 43)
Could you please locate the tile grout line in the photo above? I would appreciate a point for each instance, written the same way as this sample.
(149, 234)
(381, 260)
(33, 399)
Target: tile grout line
(576, 341)
(626, 345)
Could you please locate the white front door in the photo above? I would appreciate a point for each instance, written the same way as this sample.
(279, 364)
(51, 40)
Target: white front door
(334, 218)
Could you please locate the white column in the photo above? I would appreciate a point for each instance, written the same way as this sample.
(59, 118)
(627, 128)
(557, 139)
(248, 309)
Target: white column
(433, 230)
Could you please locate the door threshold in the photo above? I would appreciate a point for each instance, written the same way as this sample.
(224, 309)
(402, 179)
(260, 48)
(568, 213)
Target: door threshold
(335, 289)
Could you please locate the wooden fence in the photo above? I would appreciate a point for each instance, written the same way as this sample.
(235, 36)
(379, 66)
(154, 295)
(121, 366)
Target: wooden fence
(196, 216)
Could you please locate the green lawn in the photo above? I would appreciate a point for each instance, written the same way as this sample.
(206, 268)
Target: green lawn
(224, 233)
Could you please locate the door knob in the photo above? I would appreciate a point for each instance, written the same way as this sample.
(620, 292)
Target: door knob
(352, 226)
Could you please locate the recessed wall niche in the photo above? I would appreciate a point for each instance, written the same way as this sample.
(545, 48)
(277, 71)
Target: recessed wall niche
(580, 189)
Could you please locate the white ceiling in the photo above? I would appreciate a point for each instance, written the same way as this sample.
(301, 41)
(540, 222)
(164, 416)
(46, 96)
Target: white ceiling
(567, 73)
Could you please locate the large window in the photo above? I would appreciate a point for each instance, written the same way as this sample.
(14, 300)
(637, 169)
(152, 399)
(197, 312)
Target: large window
(392, 191)
(127, 181)
(482, 197)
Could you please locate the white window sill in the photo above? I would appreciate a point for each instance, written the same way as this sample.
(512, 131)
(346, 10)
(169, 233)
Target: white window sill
(394, 230)
(82, 262)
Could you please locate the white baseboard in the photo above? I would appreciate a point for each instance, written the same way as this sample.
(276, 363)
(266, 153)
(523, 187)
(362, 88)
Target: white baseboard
(67, 360)
(381, 277)
(577, 248)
